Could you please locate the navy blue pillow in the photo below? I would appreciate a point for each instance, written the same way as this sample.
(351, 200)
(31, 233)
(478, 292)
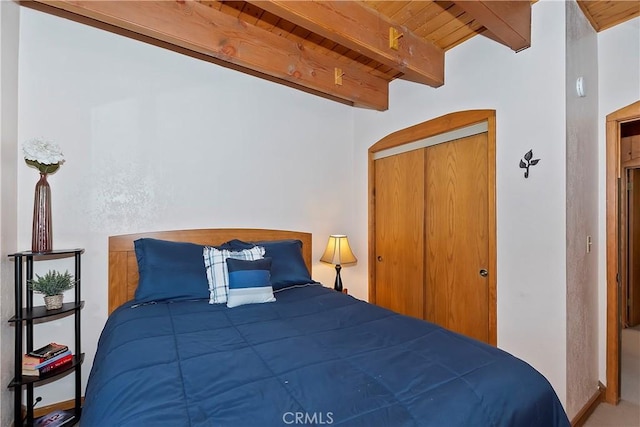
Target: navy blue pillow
(170, 271)
(287, 265)
(249, 282)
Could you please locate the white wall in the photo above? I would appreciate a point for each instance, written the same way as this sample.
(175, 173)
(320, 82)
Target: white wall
(618, 86)
(154, 140)
(582, 211)
(527, 90)
(9, 33)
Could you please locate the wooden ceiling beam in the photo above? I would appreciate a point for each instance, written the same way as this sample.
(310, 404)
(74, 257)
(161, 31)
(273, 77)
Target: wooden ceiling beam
(366, 31)
(190, 25)
(508, 22)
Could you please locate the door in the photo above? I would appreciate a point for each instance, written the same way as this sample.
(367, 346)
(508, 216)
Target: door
(399, 236)
(432, 234)
(633, 259)
(432, 222)
(457, 254)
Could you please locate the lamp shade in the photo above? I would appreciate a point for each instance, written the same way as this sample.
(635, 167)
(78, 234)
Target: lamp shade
(338, 251)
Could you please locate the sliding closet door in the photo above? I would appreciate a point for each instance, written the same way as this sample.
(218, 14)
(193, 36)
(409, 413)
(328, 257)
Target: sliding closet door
(399, 232)
(457, 242)
(432, 222)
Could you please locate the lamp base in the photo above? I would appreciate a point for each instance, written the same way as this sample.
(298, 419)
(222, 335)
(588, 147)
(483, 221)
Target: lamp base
(338, 284)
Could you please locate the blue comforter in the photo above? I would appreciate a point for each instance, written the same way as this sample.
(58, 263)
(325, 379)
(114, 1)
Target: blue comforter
(313, 357)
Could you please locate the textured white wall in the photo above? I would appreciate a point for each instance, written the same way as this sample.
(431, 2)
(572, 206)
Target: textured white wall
(156, 141)
(527, 90)
(582, 211)
(9, 34)
(618, 86)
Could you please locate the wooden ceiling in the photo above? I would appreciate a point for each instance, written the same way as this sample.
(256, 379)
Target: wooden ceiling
(605, 14)
(348, 51)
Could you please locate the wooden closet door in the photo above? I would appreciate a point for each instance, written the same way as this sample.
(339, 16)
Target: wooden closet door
(399, 236)
(457, 245)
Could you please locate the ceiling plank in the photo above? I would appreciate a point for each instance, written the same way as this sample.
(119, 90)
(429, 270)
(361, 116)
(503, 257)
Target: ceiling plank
(606, 14)
(366, 31)
(509, 22)
(191, 25)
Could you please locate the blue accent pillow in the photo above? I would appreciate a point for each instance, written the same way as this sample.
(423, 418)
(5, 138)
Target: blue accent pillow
(170, 271)
(288, 267)
(249, 282)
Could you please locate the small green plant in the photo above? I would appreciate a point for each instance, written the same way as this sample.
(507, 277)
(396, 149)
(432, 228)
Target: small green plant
(52, 283)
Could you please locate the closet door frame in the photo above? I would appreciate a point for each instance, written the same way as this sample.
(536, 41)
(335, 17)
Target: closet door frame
(431, 128)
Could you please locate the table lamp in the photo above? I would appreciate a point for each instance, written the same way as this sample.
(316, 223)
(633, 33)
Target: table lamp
(338, 252)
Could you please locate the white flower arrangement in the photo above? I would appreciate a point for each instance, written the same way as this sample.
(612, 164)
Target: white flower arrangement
(42, 154)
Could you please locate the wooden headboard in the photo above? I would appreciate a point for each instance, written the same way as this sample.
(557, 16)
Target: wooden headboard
(123, 266)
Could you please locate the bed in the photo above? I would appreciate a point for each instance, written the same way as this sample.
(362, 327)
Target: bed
(313, 356)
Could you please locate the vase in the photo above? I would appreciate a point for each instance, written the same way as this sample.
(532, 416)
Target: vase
(53, 302)
(41, 240)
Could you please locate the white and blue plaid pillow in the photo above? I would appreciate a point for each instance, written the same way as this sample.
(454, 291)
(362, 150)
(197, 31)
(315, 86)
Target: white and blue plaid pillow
(217, 273)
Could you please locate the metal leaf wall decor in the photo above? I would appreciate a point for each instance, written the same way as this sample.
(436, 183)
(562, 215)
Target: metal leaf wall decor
(527, 162)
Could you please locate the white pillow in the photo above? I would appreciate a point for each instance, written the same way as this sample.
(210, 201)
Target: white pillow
(217, 273)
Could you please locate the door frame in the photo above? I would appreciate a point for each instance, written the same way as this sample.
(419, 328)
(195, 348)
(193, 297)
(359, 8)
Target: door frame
(428, 129)
(613, 175)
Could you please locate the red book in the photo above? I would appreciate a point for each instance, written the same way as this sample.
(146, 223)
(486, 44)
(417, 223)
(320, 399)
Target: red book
(58, 363)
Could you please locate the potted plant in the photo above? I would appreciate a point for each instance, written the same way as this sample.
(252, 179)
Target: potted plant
(52, 285)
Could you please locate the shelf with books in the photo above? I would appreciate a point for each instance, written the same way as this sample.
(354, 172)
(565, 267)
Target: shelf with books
(26, 379)
(26, 317)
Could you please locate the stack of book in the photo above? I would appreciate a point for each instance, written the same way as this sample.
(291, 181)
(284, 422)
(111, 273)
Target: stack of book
(51, 356)
(56, 418)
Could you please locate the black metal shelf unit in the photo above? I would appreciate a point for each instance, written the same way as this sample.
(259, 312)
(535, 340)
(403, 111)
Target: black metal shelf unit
(25, 314)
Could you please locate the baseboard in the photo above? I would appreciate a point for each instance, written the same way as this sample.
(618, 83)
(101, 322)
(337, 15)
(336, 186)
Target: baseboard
(67, 404)
(584, 413)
